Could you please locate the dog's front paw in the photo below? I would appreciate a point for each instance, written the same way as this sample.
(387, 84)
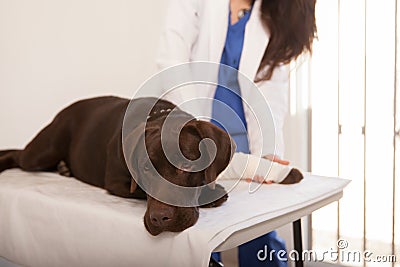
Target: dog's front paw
(208, 193)
(293, 177)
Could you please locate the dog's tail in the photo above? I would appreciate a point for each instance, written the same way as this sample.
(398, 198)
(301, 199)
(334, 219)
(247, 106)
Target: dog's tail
(8, 159)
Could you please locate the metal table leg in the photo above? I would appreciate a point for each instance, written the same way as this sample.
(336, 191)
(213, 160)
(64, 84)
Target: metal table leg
(214, 263)
(298, 242)
(298, 246)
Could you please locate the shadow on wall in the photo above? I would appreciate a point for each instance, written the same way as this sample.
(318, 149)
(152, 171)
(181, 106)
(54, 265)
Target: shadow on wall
(6, 263)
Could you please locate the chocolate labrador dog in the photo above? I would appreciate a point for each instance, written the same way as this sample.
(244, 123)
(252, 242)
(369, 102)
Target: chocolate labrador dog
(85, 141)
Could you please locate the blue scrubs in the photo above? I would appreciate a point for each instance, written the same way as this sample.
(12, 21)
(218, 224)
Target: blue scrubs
(233, 121)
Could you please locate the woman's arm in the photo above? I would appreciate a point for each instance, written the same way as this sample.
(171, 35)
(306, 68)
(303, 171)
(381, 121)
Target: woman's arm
(248, 166)
(179, 33)
(276, 92)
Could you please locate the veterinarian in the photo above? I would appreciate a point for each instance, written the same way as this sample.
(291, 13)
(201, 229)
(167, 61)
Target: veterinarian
(259, 38)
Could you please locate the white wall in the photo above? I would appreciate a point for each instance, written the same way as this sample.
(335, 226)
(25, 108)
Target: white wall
(55, 52)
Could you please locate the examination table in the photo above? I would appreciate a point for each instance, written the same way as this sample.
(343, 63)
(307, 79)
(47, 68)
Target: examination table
(50, 220)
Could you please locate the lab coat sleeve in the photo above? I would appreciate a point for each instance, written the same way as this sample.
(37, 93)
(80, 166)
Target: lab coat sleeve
(179, 34)
(276, 92)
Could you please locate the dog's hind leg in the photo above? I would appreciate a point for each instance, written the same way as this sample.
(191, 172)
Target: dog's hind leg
(8, 159)
(46, 150)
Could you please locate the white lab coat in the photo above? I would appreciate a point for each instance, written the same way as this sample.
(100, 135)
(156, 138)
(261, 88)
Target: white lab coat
(195, 30)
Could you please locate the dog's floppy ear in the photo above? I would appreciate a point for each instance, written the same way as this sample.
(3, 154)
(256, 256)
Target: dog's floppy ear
(131, 144)
(133, 186)
(225, 148)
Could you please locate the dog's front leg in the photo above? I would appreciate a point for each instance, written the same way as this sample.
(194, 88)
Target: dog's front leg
(208, 193)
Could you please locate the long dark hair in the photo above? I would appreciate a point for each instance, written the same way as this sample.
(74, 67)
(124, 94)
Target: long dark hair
(292, 28)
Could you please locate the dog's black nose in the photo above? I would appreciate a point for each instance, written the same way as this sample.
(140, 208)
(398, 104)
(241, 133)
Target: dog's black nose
(161, 218)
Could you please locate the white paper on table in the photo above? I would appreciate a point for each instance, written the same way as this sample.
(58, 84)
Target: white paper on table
(50, 220)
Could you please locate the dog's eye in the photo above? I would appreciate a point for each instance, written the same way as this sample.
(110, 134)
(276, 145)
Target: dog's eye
(147, 167)
(186, 167)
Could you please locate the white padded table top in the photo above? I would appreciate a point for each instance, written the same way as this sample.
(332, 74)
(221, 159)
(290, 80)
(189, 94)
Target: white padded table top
(50, 220)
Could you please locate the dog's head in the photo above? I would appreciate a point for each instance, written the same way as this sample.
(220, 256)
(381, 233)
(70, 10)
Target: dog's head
(160, 216)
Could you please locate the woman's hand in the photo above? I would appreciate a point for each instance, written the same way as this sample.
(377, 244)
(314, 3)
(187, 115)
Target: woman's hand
(260, 179)
(277, 159)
